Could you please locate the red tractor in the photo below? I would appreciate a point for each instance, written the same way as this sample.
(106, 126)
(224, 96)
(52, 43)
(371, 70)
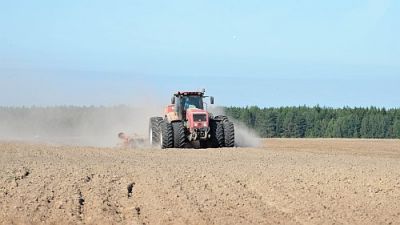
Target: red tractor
(187, 122)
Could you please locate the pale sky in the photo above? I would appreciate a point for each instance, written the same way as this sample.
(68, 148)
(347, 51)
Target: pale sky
(266, 53)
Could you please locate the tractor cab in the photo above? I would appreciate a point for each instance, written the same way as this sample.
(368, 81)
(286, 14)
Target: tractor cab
(190, 102)
(184, 101)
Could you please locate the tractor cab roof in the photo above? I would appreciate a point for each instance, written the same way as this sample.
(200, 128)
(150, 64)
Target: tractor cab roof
(186, 93)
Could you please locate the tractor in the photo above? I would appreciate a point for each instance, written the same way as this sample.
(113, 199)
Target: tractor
(187, 123)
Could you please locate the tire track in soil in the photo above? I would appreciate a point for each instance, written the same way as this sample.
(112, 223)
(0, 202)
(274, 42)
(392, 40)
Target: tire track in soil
(268, 208)
(203, 197)
(242, 205)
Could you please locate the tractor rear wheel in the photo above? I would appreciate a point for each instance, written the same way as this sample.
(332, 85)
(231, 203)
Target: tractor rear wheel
(217, 134)
(154, 130)
(179, 134)
(229, 134)
(167, 135)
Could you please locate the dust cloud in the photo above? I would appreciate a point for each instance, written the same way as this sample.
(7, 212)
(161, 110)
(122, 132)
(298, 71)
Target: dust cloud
(80, 126)
(244, 136)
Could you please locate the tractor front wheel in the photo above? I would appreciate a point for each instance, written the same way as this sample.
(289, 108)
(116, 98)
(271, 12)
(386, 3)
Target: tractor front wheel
(229, 134)
(217, 134)
(167, 135)
(179, 134)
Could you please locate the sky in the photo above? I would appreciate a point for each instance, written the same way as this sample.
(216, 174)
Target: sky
(265, 53)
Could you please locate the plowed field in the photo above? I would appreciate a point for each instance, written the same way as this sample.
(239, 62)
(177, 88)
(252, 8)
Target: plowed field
(287, 181)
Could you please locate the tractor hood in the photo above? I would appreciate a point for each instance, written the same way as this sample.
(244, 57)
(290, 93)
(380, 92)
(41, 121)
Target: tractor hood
(197, 118)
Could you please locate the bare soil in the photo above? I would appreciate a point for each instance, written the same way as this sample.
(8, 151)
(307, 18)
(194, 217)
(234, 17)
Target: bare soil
(287, 181)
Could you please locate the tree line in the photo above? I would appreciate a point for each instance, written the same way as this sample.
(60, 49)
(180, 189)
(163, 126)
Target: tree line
(319, 122)
(290, 122)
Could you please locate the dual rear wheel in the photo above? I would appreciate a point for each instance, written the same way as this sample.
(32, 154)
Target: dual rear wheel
(166, 135)
(222, 133)
(172, 135)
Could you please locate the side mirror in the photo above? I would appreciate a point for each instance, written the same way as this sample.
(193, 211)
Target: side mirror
(173, 100)
(212, 100)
